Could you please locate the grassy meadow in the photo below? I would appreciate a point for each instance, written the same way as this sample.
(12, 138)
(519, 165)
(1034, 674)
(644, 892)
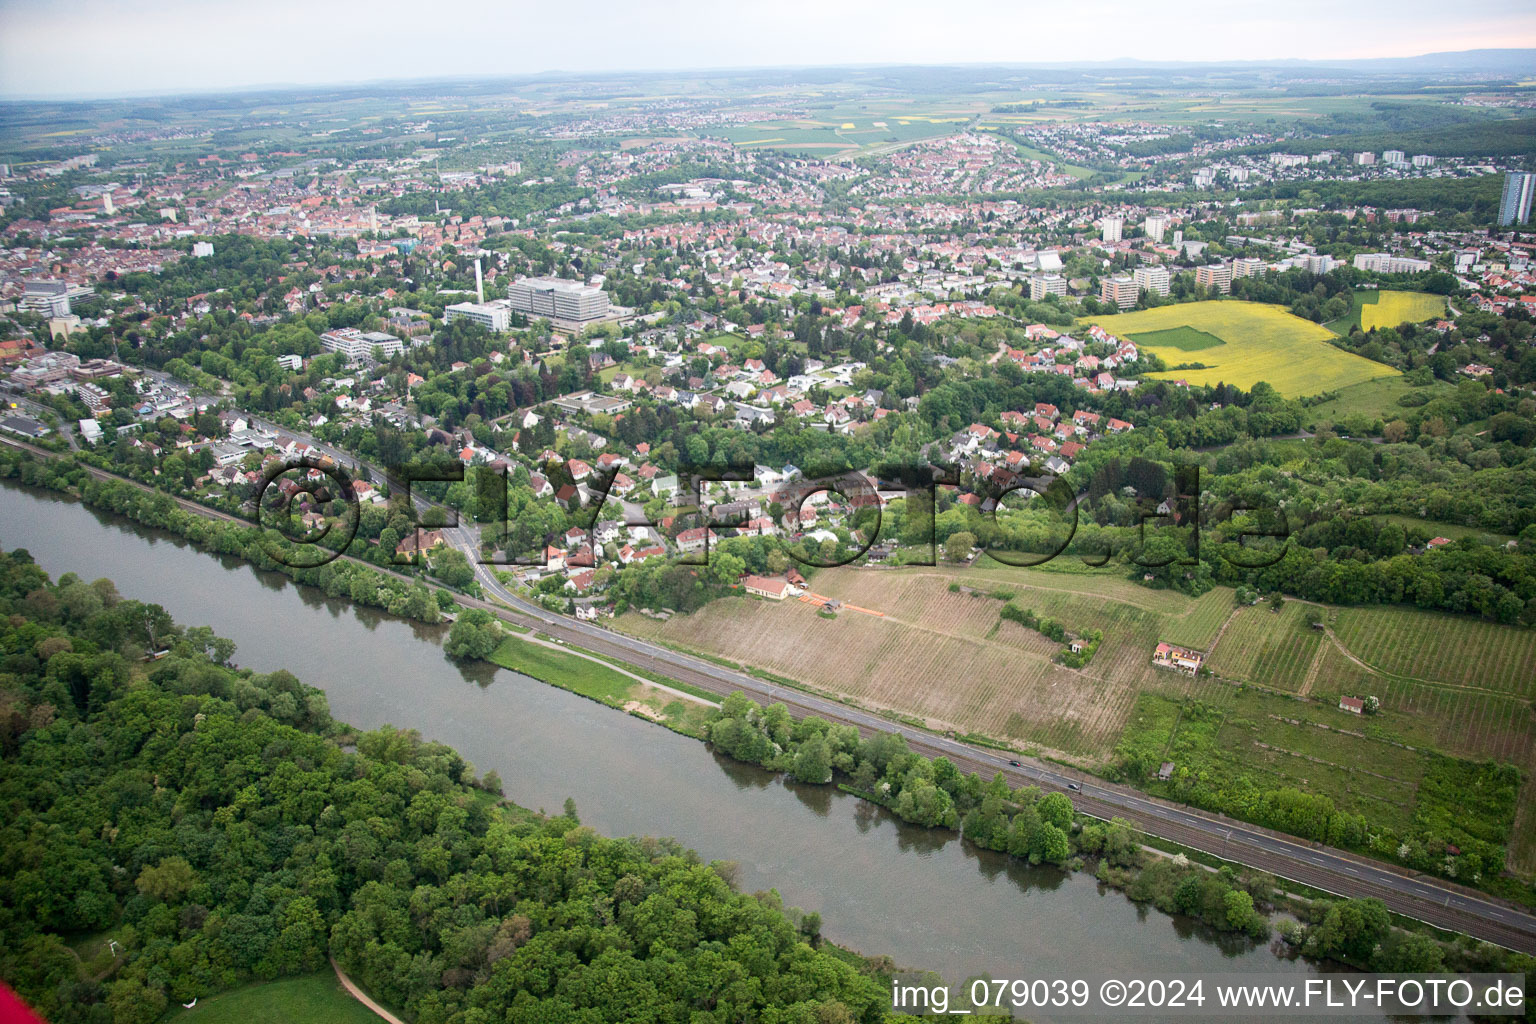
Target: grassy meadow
(312, 998)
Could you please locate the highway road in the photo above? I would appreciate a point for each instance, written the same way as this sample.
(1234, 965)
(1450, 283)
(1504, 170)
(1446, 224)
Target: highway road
(1431, 900)
(1434, 901)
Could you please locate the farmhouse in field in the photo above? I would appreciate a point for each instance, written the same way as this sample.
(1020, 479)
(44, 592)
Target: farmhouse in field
(1354, 705)
(1180, 659)
(762, 586)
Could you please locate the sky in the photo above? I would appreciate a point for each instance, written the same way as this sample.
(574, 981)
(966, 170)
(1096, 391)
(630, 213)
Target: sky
(90, 48)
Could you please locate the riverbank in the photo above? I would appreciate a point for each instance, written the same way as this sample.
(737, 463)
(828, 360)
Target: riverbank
(596, 679)
(1443, 905)
(880, 884)
(836, 857)
(589, 677)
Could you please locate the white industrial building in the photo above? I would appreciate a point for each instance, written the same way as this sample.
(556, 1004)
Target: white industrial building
(553, 297)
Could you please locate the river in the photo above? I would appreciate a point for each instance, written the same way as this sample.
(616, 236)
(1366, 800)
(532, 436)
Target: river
(921, 896)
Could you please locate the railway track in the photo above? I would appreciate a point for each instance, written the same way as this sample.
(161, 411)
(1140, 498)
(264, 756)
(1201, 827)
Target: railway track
(1433, 901)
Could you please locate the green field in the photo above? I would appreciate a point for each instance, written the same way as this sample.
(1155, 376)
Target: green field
(1442, 648)
(312, 999)
(598, 681)
(1076, 170)
(845, 131)
(1260, 342)
(1269, 648)
(1451, 530)
(1253, 741)
(1372, 399)
(1185, 339)
(1457, 684)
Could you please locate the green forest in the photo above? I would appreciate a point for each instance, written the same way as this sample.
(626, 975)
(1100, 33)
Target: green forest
(218, 826)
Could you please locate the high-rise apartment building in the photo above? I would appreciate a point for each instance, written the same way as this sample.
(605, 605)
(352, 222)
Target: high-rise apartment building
(1121, 291)
(1515, 206)
(1247, 266)
(1218, 275)
(1153, 279)
(1042, 285)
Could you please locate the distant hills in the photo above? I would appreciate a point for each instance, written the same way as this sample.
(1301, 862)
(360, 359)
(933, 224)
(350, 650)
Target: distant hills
(1491, 62)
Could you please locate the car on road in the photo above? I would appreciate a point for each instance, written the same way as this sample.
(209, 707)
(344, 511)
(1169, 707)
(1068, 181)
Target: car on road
(1074, 787)
(1014, 764)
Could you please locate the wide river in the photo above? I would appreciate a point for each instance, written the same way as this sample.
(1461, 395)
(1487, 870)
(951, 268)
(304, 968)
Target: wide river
(920, 896)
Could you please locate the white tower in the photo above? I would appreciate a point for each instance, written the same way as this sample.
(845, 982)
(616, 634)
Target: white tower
(479, 283)
(106, 204)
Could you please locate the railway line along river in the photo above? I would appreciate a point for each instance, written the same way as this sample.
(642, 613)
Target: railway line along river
(921, 896)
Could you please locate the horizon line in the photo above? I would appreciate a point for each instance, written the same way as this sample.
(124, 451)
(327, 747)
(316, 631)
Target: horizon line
(557, 73)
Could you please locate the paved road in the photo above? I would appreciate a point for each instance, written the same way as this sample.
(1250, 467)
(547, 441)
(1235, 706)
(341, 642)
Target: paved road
(66, 430)
(1435, 901)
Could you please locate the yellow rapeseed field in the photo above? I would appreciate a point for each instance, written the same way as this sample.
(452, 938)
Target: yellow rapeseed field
(1261, 342)
(1393, 308)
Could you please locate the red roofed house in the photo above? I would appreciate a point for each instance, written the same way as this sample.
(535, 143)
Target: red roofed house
(761, 586)
(694, 539)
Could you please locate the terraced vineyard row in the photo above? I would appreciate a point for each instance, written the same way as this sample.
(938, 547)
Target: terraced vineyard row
(936, 655)
(1269, 648)
(1440, 647)
(1200, 621)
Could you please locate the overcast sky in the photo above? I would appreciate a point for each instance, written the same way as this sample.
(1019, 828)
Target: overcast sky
(145, 47)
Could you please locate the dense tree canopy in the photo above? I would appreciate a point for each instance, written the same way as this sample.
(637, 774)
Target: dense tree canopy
(209, 821)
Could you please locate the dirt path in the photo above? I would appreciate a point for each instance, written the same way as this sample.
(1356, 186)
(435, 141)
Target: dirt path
(1210, 651)
(1317, 661)
(1339, 644)
(361, 996)
(1076, 591)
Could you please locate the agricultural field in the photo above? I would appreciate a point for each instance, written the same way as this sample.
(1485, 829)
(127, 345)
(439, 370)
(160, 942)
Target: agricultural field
(846, 131)
(1273, 741)
(1258, 342)
(1386, 308)
(1447, 685)
(905, 661)
(1441, 648)
(1432, 695)
(313, 998)
(1274, 649)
